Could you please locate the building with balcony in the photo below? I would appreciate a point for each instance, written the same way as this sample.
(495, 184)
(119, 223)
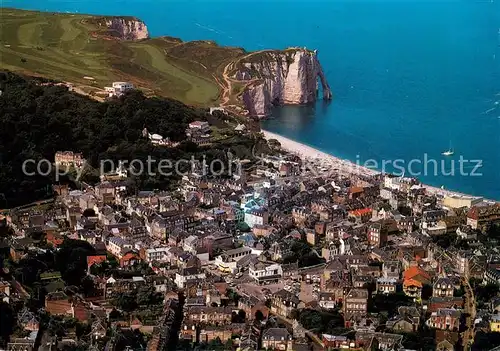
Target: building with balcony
(265, 272)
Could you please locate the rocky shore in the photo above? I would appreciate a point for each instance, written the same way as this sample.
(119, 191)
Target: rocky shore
(279, 77)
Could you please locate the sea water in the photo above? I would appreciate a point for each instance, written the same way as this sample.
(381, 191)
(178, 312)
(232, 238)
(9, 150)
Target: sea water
(410, 78)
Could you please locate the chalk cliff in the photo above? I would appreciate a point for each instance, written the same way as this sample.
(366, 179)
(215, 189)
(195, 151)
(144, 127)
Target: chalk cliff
(127, 28)
(274, 77)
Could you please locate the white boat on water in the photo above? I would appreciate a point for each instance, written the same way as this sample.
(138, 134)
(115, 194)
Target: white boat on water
(448, 152)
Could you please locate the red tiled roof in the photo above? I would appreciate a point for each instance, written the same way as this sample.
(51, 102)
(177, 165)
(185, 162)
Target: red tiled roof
(414, 272)
(128, 256)
(361, 212)
(356, 189)
(95, 259)
(54, 239)
(475, 211)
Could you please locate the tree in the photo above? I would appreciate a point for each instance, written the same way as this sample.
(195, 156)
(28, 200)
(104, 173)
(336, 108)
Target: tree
(238, 317)
(422, 340)
(89, 212)
(233, 296)
(459, 292)
(7, 324)
(321, 322)
(242, 316)
(215, 344)
(485, 293)
(148, 296)
(126, 302)
(388, 303)
(445, 240)
(242, 226)
(109, 130)
(229, 344)
(88, 287)
(56, 326)
(426, 291)
(259, 316)
(135, 339)
(71, 260)
(302, 252)
(493, 231)
(485, 341)
(274, 144)
(115, 315)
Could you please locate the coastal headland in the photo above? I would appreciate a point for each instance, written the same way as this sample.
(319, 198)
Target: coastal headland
(88, 52)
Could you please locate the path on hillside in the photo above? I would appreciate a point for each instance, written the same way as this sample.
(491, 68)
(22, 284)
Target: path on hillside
(226, 87)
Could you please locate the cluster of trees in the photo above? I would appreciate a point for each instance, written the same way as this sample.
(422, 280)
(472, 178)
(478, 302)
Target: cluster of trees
(388, 303)
(483, 293)
(445, 240)
(232, 296)
(238, 317)
(131, 300)
(485, 341)
(8, 322)
(38, 120)
(134, 339)
(214, 345)
(493, 232)
(320, 321)
(59, 325)
(424, 339)
(302, 253)
(70, 260)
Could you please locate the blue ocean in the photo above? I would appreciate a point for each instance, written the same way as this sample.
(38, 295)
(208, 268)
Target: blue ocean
(410, 79)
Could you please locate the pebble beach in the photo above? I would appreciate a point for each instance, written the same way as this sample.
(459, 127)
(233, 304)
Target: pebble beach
(345, 167)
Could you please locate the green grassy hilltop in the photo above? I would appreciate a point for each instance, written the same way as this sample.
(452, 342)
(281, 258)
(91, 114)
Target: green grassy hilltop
(73, 48)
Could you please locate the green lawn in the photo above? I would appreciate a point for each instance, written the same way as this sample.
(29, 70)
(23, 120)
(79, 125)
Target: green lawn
(61, 46)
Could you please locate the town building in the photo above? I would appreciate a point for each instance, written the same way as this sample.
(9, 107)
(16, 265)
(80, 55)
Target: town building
(277, 339)
(69, 158)
(483, 215)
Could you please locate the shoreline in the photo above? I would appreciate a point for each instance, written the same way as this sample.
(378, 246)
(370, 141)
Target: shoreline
(347, 167)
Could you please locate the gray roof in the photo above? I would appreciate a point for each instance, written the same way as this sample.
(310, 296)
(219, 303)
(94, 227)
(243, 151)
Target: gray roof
(276, 334)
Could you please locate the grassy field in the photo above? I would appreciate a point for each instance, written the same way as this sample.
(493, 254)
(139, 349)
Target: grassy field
(65, 47)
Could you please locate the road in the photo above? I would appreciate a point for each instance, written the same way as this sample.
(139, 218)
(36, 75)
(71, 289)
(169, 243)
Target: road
(36, 203)
(469, 305)
(470, 310)
(318, 344)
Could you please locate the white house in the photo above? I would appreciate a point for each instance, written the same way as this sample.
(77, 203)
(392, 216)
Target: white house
(265, 272)
(191, 244)
(116, 246)
(227, 261)
(187, 274)
(157, 139)
(159, 254)
(202, 126)
(256, 216)
(118, 88)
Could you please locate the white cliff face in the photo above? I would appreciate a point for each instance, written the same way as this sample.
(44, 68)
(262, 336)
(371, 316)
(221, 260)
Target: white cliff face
(280, 77)
(128, 29)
